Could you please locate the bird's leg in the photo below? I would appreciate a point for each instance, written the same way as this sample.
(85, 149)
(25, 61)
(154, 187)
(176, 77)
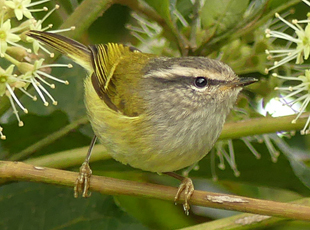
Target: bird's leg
(186, 186)
(82, 183)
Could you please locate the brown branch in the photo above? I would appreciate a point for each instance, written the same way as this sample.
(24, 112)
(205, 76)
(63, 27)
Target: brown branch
(18, 171)
(244, 221)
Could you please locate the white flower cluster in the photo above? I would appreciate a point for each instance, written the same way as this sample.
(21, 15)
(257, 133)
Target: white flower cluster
(19, 68)
(299, 50)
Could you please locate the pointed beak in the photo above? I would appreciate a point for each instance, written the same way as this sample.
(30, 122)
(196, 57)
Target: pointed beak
(240, 82)
(243, 81)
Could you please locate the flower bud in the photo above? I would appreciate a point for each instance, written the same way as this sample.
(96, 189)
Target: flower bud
(25, 67)
(18, 53)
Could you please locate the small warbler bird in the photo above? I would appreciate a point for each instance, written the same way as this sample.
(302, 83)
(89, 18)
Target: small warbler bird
(158, 114)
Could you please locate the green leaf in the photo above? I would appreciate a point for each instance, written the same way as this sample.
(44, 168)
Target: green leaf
(301, 170)
(30, 206)
(162, 7)
(155, 212)
(222, 14)
(110, 26)
(272, 4)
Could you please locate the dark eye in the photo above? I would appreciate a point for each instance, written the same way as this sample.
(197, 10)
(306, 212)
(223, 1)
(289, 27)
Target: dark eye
(201, 82)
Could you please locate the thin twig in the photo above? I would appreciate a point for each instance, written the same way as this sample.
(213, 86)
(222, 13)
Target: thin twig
(256, 126)
(195, 24)
(70, 158)
(245, 27)
(49, 139)
(84, 15)
(231, 130)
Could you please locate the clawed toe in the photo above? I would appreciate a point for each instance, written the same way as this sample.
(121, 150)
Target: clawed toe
(188, 188)
(82, 183)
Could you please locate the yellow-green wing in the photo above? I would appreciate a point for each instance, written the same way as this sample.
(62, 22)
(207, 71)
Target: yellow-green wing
(71, 48)
(117, 70)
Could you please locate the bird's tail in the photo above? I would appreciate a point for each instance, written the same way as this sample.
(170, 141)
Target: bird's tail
(78, 52)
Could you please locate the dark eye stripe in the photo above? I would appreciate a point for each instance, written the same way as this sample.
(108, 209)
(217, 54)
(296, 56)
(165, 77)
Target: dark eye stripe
(177, 79)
